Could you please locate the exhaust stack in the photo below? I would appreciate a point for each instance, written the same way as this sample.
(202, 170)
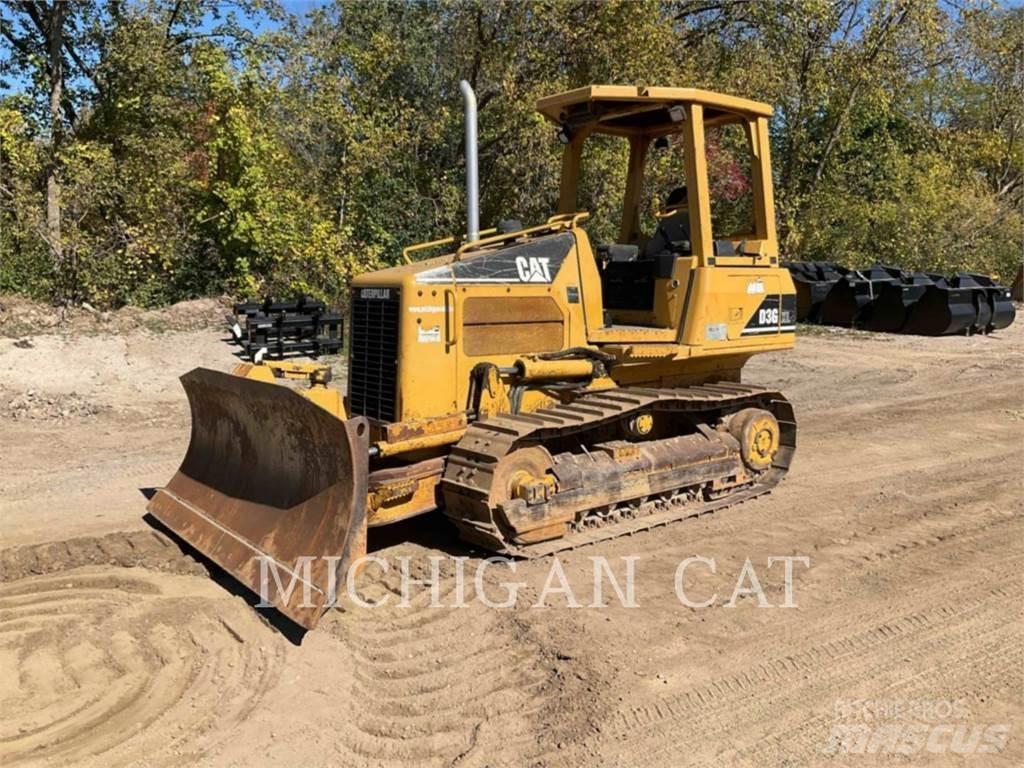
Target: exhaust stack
(472, 182)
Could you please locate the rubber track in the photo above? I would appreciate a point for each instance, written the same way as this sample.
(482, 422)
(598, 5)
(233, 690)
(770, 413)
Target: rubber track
(472, 461)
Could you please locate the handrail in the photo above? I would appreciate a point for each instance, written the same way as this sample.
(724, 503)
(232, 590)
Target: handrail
(557, 222)
(450, 338)
(409, 249)
(569, 219)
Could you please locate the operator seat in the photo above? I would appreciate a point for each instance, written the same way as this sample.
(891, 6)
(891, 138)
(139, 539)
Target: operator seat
(630, 275)
(673, 232)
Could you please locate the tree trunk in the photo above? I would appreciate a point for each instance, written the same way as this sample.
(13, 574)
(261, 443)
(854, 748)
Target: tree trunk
(55, 44)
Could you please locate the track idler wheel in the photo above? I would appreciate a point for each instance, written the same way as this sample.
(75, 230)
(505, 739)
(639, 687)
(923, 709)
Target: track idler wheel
(757, 432)
(523, 479)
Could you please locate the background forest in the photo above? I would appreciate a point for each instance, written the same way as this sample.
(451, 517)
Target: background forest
(155, 150)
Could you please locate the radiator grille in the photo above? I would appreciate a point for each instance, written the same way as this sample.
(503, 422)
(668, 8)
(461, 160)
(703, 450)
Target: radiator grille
(373, 356)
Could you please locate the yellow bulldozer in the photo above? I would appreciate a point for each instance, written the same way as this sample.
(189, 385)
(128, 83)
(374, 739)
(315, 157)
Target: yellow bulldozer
(541, 390)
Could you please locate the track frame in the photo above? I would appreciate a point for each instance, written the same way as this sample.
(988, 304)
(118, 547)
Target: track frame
(474, 461)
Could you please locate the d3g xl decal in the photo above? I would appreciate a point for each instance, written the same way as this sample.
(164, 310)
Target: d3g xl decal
(777, 314)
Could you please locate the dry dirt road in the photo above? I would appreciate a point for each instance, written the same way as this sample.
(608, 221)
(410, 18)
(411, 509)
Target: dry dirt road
(904, 648)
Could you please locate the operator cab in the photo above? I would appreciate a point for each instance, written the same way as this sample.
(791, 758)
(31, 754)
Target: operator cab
(630, 273)
(697, 190)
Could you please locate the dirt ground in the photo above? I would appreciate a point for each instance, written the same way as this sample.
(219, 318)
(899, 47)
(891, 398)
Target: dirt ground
(905, 496)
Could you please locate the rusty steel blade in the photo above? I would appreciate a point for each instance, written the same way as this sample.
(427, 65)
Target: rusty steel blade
(270, 476)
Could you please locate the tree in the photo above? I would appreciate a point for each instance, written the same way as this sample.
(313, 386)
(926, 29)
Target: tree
(46, 47)
(127, 149)
(170, 148)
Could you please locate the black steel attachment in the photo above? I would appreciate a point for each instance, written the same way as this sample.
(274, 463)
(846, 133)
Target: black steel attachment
(277, 329)
(886, 298)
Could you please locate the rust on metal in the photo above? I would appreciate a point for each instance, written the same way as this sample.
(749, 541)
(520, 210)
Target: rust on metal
(420, 443)
(404, 431)
(396, 493)
(270, 476)
(507, 310)
(609, 491)
(507, 324)
(600, 479)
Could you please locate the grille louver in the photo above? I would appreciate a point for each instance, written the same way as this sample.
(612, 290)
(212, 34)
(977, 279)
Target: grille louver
(373, 359)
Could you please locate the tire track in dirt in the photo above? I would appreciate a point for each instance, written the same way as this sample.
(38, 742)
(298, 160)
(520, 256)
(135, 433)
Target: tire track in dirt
(989, 662)
(743, 728)
(724, 691)
(916, 527)
(440, 685)
(928, 533)
(909, 536)
(839, 666)
(125, 470)
(929, 552)
(108, 666)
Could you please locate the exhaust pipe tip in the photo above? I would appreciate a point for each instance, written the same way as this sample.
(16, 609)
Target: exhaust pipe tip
(472, 181)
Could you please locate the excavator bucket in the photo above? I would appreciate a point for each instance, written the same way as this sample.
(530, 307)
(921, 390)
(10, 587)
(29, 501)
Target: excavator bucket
(1003, 311)
(895, 301)
(942, 309)
(272, 489)
(979, 299)
(1000, 304)
(850, 301)
(813, 280)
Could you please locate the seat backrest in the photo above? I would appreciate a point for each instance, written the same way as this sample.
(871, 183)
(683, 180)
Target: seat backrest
(672, 234)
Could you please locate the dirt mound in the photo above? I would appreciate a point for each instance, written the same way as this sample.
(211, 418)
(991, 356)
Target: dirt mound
(103, 666)
(125, 549)
(21, 317)
(37, 406)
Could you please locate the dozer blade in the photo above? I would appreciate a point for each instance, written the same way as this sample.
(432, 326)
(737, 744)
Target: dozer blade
(271, 484)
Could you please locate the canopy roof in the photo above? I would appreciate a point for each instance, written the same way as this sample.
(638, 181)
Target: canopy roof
(628, 109)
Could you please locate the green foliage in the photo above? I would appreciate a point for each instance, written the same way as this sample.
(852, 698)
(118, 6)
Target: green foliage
(194, 156)
(24, 262)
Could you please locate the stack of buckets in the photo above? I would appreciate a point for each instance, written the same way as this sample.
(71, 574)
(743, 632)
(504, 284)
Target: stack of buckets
(881, 298)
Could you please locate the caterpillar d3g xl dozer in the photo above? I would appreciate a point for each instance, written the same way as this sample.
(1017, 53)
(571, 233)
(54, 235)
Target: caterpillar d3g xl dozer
(543, 391)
